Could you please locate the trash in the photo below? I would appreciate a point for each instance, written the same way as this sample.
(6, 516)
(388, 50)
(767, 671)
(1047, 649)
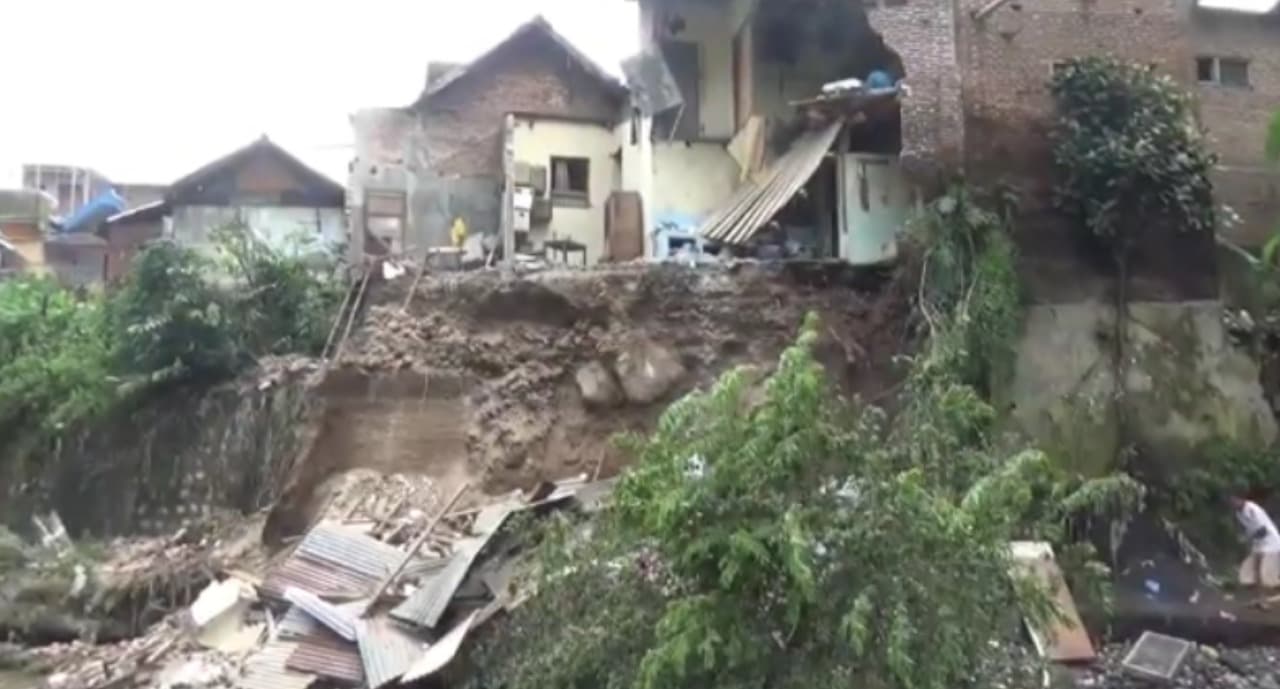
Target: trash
(1157, 656)
(1152, 586)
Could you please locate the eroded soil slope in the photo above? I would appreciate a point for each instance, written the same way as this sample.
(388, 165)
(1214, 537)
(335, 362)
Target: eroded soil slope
(512, 380)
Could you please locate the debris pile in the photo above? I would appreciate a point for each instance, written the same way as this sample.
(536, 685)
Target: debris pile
(1204, 667)
(376, 593)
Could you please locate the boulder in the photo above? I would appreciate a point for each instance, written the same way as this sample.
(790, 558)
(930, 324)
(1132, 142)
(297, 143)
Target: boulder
(597, 386)
(647, 371)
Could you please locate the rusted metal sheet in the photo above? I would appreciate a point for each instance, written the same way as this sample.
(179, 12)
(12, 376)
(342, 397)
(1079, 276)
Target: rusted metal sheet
(386, 650)
(333, 561)
(756, 202)
(338, 621)
(321, 578)
(265, 669)
(325, 655)
(1067, 641)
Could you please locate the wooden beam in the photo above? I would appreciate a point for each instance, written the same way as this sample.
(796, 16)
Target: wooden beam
(983, 12)
(508, 190)
(413, 550)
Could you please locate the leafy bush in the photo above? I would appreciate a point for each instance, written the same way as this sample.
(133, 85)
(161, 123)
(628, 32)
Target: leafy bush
(66, 359)
(1129, 150)
(54, 358)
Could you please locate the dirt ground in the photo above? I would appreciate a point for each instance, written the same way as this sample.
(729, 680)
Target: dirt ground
(503, 381)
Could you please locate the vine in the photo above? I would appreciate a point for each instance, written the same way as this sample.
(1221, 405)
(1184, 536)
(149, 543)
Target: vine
(1130, 157)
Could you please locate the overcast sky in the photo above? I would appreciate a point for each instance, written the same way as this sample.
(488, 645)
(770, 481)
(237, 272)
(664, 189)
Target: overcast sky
(148, 90)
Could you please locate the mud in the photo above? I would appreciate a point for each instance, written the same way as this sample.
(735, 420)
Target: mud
(478, 380)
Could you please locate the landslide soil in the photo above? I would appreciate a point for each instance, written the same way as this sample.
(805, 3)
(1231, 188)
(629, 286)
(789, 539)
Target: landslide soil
(515, 344)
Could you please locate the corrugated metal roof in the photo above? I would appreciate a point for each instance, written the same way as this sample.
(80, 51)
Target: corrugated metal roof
(351, 549)
(425, 607)
(297, 624)
(324, 579)
(756, 202)
(386, 651)
(341, 622)
(265, 669)
(327, 656)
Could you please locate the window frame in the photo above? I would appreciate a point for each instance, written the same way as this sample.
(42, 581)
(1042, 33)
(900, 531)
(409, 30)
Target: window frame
(570, 197)
(401, 218)
(1215, 63)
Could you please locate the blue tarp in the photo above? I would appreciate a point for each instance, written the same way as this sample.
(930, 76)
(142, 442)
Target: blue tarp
(100, 208)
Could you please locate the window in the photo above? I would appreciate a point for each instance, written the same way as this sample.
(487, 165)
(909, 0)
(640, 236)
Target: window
(1227, 71)
(384, 219)
(570, 181)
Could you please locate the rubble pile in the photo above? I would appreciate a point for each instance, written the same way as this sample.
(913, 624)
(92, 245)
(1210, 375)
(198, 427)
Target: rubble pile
(1206, 667)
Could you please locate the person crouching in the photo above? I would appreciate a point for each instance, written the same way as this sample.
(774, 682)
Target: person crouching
(1262, 566)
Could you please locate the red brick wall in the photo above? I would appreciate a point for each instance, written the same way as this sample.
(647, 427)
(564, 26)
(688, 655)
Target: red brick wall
(923, 34)
(463, 124)
(1007, 61)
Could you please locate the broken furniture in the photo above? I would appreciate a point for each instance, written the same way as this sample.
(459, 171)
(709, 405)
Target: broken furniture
(564, 247)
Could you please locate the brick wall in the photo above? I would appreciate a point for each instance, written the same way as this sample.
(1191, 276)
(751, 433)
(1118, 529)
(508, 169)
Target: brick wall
(1007, 60)
(1237, 117)
(923, 34)
(462, 125)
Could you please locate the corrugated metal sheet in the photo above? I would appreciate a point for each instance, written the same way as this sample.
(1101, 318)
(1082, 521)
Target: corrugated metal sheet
(297, 624)
(341, 622)
(441, 652)
(327, 656)
(265, 669)
(425, 607)
(386, 651)
(351, 549)
(756, 202)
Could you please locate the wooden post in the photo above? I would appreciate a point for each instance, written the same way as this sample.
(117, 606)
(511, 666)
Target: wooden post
(413, 550)
(508, 190)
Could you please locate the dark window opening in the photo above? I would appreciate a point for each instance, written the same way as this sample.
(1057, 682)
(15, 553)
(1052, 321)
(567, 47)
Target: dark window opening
(570, 180)
(1226, 71)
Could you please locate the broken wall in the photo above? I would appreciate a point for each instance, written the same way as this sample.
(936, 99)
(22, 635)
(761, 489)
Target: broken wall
(923, 34)
(1186, 384)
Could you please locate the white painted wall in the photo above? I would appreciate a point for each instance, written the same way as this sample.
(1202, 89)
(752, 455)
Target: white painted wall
(692, 179)
(876, 200)
(284, 228)
(537, 140)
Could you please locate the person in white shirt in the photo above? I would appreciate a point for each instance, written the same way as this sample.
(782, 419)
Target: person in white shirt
(1262, 566)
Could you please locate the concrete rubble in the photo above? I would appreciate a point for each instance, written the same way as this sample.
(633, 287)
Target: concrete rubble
(312, 612)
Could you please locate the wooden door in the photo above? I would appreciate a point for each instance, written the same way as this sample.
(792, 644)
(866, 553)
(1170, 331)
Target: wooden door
(623, 226)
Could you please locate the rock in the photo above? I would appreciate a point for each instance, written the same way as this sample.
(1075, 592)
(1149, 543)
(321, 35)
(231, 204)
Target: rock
(597, 385)
(648, 371)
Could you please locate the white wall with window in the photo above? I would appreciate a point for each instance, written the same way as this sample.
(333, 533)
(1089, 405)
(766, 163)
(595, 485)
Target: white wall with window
(581, 163)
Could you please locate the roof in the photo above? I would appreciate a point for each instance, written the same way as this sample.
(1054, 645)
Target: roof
(536, 26)
(147, 211)
(76, 239)
(756, 202)
(261, 146)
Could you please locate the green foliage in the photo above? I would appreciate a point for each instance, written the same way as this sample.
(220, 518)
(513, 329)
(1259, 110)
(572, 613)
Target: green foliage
(1128, 150)
(66, 359)
(172, 324)
(53, 357)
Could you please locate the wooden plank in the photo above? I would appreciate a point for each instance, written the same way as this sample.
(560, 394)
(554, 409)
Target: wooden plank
(1067, 640)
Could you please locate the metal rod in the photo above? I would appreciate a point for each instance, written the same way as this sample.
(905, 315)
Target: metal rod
(413, 550)
(983, 12)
